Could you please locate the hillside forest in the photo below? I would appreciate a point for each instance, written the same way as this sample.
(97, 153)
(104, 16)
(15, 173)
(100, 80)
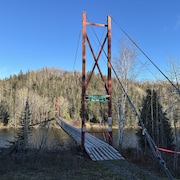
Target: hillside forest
(42, 86)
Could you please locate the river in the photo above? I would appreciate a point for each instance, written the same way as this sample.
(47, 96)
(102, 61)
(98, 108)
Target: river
(53, 138)
(49, 138)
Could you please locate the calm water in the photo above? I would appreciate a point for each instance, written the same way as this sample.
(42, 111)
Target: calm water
(40, 138)
(53, 138)
(56, 138)
(129, 138)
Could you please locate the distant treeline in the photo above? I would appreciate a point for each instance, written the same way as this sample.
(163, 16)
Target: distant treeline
(41, 86)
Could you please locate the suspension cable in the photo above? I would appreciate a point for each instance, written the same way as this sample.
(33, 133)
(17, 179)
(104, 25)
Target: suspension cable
(151, 142)
(140, 49)
(77, 50)
(144, 130)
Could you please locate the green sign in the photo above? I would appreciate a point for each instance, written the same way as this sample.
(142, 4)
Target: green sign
(97, 98)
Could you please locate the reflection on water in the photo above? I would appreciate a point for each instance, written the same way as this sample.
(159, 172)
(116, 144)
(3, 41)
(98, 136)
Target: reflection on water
(129, 137)
(5, 136)
(51, 138)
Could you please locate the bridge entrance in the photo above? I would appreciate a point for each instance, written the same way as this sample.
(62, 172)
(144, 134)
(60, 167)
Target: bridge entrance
(85, 81)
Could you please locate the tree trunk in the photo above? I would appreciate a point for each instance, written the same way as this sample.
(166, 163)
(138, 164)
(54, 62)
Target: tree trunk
(121, 121)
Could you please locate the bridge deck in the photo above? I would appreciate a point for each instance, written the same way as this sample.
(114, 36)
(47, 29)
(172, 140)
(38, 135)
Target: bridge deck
(97, 150)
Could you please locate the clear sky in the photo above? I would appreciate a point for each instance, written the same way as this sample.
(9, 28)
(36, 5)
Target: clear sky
(45, 33)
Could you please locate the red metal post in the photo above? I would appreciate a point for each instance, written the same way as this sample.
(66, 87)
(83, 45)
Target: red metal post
(83, 78)
(109, 81)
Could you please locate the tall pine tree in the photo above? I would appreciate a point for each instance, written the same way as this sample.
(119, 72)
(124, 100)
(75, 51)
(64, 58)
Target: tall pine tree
(24, 130)
(156, 122)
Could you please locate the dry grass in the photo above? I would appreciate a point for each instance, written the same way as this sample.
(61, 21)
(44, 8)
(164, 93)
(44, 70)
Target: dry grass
(54, 165)
(147, 161)
(69, 164)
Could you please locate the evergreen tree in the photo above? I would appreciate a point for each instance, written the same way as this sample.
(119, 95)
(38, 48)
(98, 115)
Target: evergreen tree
(4, 115)
(23, 133)
(156, 122)
(6, 118)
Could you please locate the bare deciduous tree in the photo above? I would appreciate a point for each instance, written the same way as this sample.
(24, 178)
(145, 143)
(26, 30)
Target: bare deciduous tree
(174, 105)
(124, 65)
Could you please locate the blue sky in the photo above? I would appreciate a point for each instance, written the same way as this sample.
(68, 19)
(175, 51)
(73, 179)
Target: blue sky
(45, 33)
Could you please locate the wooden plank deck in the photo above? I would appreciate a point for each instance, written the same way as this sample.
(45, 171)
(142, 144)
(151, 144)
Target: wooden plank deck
(96, 149)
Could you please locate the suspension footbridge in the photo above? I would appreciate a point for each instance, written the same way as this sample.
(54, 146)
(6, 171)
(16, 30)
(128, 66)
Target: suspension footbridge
(96, 149)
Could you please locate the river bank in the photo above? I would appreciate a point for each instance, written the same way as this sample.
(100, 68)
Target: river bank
(57, 144)
(69, 165)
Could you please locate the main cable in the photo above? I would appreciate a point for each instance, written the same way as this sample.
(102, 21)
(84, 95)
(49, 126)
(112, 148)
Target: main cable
(151, 142)
(177, 89)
